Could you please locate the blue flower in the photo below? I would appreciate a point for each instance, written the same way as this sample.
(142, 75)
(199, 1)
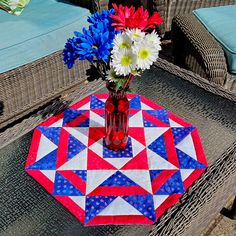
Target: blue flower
(94, 43)
(101, 17)
(69, 54)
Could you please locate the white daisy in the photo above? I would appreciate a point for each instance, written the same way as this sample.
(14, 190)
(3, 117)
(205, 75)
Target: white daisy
(154, 39)
(146, 54)
(123, 61)
(136, 35)
(122, 41)
(111, 77)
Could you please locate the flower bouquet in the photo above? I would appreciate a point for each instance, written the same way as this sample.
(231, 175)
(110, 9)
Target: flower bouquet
(120, 43)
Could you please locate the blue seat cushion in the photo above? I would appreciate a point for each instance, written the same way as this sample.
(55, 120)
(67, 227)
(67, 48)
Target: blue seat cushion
(221, 23)
(40, 30)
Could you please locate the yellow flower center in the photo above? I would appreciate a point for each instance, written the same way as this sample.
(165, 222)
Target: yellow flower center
(136, 35)
(124, 45)
(126, 60)
(94, 46)
(144, 53)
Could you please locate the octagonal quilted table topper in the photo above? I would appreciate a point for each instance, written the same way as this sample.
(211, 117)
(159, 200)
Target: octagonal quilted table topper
(164, 156)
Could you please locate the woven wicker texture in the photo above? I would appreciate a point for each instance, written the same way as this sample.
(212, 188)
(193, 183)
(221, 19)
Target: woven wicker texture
(195, 49)
(31, 86)
(28, 209)
(175, 7)
(196, 79)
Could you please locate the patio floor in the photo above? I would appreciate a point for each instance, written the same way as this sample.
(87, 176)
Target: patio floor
(221, 226)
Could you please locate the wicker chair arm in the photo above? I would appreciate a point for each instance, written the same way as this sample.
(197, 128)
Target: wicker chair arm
(210, 53)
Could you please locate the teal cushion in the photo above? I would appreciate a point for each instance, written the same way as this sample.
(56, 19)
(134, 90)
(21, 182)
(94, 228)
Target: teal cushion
(221, 23)
(40, 30)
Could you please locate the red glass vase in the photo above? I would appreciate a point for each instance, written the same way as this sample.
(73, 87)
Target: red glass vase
(116, 119)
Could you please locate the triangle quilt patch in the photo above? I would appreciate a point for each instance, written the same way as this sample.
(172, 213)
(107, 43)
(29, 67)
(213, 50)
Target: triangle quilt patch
(147, 123)
(180, 133)
(63, 187)
(187, 162)
(46, 163)
(144, 204)
(138, 162)
(96, 103)
(118, 179)
(70, 115)
(160, 114)
(135, 103)
(52, 133)
(173, 185)
(96, 162)
(159, 147)
(82, 174)
(74, 147)
(95, 204)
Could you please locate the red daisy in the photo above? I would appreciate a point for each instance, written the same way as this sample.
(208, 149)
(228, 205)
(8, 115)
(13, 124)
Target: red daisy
(126, 17)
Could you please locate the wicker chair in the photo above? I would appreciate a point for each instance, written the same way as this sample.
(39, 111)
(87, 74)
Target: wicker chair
(29, 87)
(195, 49)
(42, 88)
(170, 8)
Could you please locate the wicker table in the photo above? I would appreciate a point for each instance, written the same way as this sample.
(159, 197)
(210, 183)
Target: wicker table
(27, 210)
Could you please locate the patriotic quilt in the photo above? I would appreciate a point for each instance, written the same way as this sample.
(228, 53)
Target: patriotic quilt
(163, 158)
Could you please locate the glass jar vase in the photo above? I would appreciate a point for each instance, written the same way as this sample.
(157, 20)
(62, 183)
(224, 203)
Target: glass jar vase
(116, 119)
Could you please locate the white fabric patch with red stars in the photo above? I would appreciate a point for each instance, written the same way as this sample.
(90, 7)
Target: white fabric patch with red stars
(164, 156)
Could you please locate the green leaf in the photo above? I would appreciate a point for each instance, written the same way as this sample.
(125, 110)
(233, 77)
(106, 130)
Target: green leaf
(120, 83)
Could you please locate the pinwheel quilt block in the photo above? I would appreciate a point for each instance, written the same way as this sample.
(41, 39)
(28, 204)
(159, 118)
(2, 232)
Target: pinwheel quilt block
(164, 156)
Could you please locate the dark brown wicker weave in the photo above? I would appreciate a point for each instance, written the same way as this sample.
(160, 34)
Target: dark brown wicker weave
(195, 48)
(175, 7)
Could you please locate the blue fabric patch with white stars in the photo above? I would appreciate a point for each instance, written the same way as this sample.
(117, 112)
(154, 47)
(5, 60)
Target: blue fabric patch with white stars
(46, 163)
(160, 115)
(181, 133)
(154, 174)
(135, 103)
(147, 123)
(126, 153)
(63, 187)
(159, 147)
(52, 133)
(82, 174)
(187, 162)
(95, 204)
(70, 115)
(84, 123)
(74, 147)
(96, 103)
(173, 185)
(143, 203)
(118, 179)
